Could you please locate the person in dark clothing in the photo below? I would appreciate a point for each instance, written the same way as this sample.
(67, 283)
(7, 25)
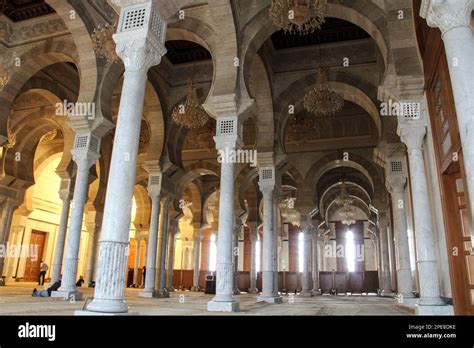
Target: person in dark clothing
(143, 276)
(80, 281)
(42, 274)
(47, 293)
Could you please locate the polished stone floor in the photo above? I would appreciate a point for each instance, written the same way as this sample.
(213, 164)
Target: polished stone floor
(16, 299)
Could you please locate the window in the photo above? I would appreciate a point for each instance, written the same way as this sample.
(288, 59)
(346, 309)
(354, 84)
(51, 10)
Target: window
(300, 251)
(213, 254)
(257, 255)
(350, 251)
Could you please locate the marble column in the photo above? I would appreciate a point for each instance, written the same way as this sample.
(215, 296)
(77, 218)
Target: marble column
(267, 187)
(426, 262)
(253, 258)
(396, 187)
(226, 142)
(453, 18)
(197, 240)
(85, 158)
(65, 196)
(315, 260)
(7, 214)
(94, 235)
(384, 262)
(306, 228)
(173, 231)
(140, 48)
(136, 264)
(154, 188)
(162, 247)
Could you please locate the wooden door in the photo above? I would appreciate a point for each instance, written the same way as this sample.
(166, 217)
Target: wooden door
(33, 264)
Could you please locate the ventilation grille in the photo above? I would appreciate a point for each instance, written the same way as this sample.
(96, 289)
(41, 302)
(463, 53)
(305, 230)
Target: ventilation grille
(157, 25)
(134, 19)
(396, 166)
(155, 180)
(81, 142)
(227, 127)
(266, 174)
(94, 144)
(64, 185)
(411, 111)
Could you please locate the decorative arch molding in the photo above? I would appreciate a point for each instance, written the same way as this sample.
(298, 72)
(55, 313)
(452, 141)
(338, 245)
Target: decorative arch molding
(350, 87)
(193, 172)
(364, 14)
(306, 195)
(33, 61)
(142, 200)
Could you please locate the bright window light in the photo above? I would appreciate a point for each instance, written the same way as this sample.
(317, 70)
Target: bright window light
(213, 254)
(350, 251)
(257, 255)
(300, 251)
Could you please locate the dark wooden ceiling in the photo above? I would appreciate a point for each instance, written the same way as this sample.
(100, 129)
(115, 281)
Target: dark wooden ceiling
(20, 10)
(180, 51)
(333, 30)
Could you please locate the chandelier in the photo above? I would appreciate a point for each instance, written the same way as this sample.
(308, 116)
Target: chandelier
(102, 42)
(347, 214)
(343, 199)
(320, 100)
(191, 114)
(297, 16)
(4, 76)
(201, 137)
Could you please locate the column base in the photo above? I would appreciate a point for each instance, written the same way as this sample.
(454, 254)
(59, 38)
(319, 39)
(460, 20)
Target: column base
(434, 310)
(236, 292)
(170, 289)
(107, 307)
(195, 289)
(90, 313)
(253, 291)
(306, 293)
(316, 292)
(430, 301)
(270, 299)
(68, 295)
(409, 302)
(214, 306)
(387, 294)
(148, 294)
(162, 294)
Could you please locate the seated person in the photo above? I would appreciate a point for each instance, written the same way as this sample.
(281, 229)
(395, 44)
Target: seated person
(47, 293)
(80, 281)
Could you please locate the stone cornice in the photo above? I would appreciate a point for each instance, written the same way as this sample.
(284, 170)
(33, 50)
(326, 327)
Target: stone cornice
(21, 33)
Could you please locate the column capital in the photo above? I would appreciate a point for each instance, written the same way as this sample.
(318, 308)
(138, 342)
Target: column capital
(412, 136)
(266, 180)
(396, 184)
(86, 150)
(447, 14)
(65, 189)
(228, 135)
(140, 36)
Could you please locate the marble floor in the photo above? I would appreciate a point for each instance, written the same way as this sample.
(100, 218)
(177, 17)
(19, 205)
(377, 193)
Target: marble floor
(16, 299)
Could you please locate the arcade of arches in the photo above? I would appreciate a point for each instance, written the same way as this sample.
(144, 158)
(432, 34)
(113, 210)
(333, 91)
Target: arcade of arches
(265, 199)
